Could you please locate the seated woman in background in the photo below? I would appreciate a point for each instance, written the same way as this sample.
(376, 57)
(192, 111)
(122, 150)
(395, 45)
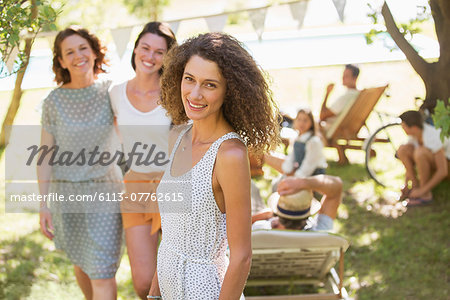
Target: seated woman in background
(306, 157)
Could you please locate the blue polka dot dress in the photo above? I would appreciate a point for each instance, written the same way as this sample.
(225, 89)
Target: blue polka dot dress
(90, 231)
(192, 259)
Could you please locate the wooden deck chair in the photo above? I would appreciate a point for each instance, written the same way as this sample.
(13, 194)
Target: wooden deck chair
(343, 133)
(286, 257)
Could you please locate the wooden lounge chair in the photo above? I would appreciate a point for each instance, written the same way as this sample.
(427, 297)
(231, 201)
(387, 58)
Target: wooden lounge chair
(343, 133)
(287, 257)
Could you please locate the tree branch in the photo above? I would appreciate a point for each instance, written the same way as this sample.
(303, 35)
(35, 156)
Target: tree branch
(444, 8)
(437, 17)
(416, 61)
(440, 10)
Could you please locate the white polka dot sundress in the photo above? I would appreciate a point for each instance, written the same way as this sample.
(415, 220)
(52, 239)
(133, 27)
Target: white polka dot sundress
(192, 256)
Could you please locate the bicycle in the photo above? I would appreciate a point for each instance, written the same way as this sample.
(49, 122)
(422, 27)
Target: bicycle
(386, 169)
(381, 147)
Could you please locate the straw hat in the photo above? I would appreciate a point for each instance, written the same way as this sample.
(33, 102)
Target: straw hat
(295, 206)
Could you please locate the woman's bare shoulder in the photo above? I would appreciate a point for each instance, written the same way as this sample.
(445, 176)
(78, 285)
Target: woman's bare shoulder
(232, 151)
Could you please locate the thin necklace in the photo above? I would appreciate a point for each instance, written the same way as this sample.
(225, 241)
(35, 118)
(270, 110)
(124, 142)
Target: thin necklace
(183, 141)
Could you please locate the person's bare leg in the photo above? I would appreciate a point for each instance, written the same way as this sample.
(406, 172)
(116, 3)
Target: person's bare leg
(406, 155)
(104, 289)
(330, 187)
(142, 252)
(425, 165)
(84, 282)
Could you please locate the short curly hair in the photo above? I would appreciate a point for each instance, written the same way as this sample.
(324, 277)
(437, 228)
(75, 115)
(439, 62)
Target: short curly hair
(248, 105)
(62, 75)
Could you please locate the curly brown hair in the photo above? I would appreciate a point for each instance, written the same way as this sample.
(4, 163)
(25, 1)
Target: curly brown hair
(248, 105)
(62, 75)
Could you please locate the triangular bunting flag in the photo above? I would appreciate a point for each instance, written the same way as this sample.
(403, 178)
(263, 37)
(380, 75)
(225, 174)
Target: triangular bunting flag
(174, 26)
(258, 18)
(340, 6)
(11, 59)
(298, 11)
(121, 37)
(216, 23)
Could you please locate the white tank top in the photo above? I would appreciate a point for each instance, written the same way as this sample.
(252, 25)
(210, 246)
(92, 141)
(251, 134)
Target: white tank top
(150, 129)
(192, 258)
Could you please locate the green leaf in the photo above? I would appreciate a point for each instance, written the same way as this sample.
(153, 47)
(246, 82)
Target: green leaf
(441, 118)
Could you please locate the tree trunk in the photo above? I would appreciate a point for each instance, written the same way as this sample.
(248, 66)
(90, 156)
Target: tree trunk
(17, 94)
(438, 82)
(437, 85)
(435, 76)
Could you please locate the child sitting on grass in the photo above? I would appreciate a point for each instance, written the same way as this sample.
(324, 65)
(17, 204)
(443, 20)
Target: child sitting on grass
(426, 153)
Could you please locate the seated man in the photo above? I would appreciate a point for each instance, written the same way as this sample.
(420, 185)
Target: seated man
(426, 153)
(329, 114)
(293, 205)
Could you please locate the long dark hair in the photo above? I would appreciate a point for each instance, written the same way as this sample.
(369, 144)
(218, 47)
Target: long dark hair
(161, 29)
(308, 112)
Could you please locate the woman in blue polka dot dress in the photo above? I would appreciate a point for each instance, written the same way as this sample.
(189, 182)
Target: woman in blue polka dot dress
(77, 119)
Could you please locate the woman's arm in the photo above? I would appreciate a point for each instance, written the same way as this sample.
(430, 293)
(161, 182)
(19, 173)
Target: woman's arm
(288, 166)
(44, 171)
(233, 176)
(277, 161)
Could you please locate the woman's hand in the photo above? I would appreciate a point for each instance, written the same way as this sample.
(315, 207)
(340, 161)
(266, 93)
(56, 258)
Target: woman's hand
(45, 220)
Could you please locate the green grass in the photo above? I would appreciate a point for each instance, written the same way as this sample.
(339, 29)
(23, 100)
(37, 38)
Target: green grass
(395, 253)
(31, 268)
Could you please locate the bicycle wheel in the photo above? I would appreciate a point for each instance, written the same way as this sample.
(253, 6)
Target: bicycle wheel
(381, 162)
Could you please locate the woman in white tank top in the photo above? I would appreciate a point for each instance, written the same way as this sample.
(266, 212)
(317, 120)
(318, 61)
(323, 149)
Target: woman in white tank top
(212, 81)
(143, 125)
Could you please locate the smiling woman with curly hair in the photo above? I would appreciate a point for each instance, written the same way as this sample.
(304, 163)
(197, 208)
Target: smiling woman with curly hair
(212, 81)
(248, 105)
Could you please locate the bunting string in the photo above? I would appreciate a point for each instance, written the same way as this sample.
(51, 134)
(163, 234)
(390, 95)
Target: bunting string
(216, 22)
